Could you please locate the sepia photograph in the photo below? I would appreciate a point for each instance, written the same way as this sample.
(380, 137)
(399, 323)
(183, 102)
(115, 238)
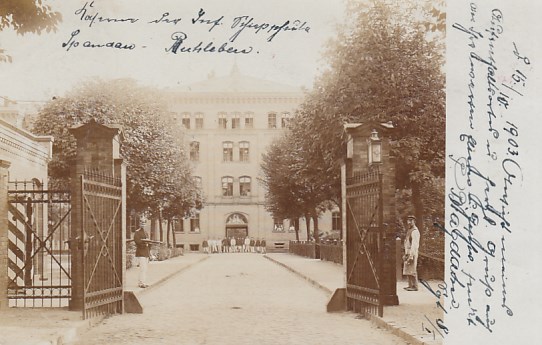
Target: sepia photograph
(286, 172)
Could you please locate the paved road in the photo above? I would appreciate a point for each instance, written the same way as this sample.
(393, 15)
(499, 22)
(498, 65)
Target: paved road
(236, 299)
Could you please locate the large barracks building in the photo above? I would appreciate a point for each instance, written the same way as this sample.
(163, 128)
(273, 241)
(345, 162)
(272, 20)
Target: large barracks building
(229, 123)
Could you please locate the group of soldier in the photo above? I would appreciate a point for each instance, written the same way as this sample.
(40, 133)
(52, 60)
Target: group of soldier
(234, 245)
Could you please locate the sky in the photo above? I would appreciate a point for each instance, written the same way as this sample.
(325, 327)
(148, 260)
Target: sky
(43, 68)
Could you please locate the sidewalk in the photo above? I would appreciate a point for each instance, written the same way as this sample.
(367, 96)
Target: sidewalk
(56, 326)
(409, 320)
(160, 271)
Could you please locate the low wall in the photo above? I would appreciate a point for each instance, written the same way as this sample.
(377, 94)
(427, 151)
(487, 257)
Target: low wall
(428, 267)
(329, 251)
(332, 252)
(303, 248)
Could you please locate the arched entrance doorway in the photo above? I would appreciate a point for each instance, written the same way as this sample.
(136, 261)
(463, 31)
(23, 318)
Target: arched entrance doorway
(236, 225)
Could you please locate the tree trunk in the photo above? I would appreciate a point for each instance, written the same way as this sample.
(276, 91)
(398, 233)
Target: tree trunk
(315, 228)
(129, 220)
(308, 224)
(160, 227)
(153, 228)
(342, 220)
(168, 232)
(316, 236)
(174, 239)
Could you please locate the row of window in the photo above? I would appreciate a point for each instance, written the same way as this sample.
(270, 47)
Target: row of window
(244, 185)
(227, 151)
(178, 224)
(272, 120)
(234, 120)
(186, 120)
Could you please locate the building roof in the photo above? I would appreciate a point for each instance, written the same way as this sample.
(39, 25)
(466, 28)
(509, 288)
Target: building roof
(236, 82)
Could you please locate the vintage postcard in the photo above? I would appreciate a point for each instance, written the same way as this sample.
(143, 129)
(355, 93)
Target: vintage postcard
(170, 169)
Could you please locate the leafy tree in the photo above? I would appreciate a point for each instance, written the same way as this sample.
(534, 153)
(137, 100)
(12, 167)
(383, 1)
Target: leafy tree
(158, 173)
(291, 188)
(385, 69)
(282, 194)
(26, 16)
(385, 65)
(181, 201)
(393, 71)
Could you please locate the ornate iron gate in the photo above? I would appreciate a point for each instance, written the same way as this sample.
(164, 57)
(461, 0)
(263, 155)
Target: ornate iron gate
(101, 239)
(39, 260)
(364, 245)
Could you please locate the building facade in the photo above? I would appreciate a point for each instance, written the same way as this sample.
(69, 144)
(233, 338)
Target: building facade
(229, 123)
(28, 154)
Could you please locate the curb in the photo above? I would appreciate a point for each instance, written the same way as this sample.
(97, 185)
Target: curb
(398, 331)
(167, 277)
(392, 327)
(70, 334)
(312, 281)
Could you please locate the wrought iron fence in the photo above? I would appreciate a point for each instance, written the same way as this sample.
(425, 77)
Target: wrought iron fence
(39, 259)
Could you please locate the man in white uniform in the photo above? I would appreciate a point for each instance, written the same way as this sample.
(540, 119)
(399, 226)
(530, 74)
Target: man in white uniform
(412, 244)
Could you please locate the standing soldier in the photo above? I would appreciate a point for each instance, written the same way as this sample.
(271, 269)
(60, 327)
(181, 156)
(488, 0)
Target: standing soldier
(232, 245)
(225, 244)
(412, 244)
(239, 244)
(142, 254)
(252, 243)
(246, 245)
(211, 244)
(263, 246)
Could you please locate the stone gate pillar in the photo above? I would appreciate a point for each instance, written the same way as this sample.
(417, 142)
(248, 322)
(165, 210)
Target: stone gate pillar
(120, 172)
(4, 166)
(368, 148)
(98, 149)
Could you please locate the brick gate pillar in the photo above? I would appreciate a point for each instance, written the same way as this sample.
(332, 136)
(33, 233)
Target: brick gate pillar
(4, 166)
(98, 149)
(390, 231)
(369, 147)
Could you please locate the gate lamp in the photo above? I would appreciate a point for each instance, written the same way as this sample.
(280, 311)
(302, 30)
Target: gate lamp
(375, 148)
